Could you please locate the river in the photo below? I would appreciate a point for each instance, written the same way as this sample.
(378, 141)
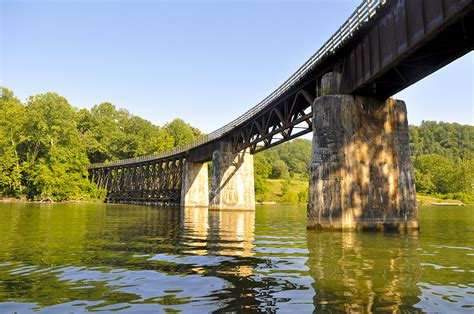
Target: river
(98, 257)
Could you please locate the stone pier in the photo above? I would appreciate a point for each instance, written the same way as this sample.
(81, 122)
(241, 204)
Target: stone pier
(362, 174)
(195, 185)
(232, 182)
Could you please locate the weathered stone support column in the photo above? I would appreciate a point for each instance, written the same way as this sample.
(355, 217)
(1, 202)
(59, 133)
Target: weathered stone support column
(362, 173)
(195, 185)
(232, 183)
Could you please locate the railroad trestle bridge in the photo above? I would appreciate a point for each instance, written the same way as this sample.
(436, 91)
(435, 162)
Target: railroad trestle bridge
(362, 173)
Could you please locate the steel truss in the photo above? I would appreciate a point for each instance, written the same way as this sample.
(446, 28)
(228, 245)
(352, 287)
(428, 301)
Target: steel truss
(288, 119)
(154, 182)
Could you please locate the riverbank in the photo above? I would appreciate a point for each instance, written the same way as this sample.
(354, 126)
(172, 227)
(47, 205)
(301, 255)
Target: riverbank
(295, 191)
(277, 191)
(48, 201)
(431, 200)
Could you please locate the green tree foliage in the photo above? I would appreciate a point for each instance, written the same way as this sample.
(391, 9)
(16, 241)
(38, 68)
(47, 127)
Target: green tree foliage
(465, 176)
(450, 140)
(279, 162)
(285, 189)
(260, 188)
(182, 132)
(109, 134)
(443, 155)
(12, 120)
(287, 196)
(263, 168)
(289, 160)
(436, 174)
(296, 155)
(42, 160)
(280, 170)
(46, 143)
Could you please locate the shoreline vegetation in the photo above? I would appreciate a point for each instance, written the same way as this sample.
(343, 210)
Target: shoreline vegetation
(299, 190)
(421, 199)
(45, 143)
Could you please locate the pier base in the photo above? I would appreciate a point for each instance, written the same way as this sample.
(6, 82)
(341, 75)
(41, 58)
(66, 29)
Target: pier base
(362, 174)
(232, 181)
(195, 185)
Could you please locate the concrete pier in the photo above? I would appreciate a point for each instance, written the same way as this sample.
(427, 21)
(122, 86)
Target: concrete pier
(195, 185)
(232, 181)
(362, 174)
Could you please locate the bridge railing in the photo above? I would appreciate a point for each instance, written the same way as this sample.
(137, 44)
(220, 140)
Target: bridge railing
(363, 13)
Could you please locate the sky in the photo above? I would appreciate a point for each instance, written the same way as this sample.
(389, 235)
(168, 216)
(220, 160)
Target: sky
(204, 61)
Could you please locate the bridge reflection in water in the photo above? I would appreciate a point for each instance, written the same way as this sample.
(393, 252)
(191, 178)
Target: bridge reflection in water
(332, 271)
(364, 272)
(208, 232)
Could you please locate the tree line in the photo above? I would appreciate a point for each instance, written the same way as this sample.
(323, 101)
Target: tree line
(45, 143)
(443, 156)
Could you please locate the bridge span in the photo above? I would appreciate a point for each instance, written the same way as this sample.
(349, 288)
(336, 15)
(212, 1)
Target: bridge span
(362, 173)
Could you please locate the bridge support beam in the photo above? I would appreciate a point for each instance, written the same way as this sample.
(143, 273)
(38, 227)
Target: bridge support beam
(195, 185)
(232, 182)
(362, 175)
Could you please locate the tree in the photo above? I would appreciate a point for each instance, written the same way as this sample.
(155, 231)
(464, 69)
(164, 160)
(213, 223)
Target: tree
(182, 132)
(12, 120)
(109, 134)
(450, 140)
(463, 177)
(263, 169)
(260, 188)
(54, 157)
(280, 170)
(161, 141)
(434, 174)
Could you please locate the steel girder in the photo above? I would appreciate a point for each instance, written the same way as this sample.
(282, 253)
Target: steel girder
(290, 118)
(157, 182)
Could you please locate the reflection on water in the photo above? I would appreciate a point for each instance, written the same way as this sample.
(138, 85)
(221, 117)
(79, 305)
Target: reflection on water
(95, 257)
(233, 230)
(364, 272)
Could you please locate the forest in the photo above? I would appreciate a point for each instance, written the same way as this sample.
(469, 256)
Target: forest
(45, 144)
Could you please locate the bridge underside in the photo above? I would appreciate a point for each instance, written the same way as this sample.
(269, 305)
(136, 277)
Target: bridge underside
(410, 40)
(156, 182)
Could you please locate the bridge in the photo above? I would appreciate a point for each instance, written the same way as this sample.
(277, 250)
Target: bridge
(362, 174)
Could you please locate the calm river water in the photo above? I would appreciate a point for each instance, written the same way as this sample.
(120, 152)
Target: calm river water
(97, 257)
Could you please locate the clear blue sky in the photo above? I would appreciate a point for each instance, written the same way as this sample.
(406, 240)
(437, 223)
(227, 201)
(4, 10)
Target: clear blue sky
(204, 61)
